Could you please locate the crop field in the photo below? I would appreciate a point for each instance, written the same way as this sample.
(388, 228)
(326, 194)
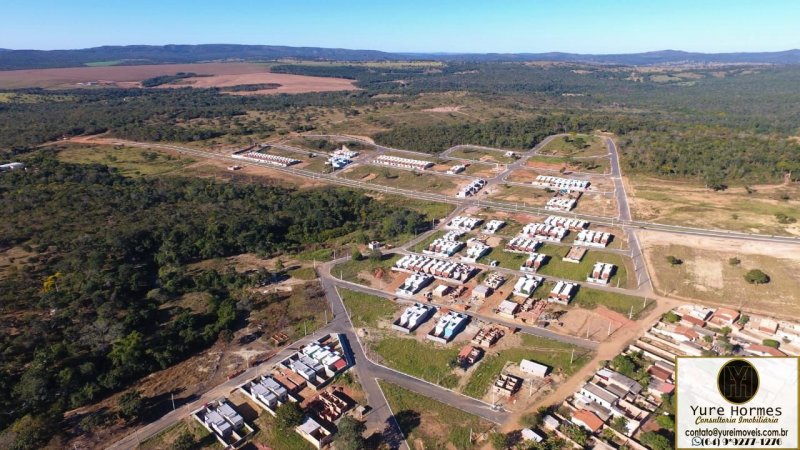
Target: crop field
(428, 423)
(129, 161)
(402, 179)
(220, 75)
(567, 146)
(552, 353)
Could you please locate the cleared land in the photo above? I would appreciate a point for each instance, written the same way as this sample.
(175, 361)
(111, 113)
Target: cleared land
(221, 75)
(366, 310)
(551, 353)
(767, 209)
(566, 164)
(420, 359)
(569, 146)
(129, 161)
(402, 179)
(427, 423)
(707, 273)
(166, 439)
(478, 154)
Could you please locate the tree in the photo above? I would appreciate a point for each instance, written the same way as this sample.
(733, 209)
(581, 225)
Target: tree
(726, 330)
(620, 423)
(355, 254)
(624, 365)
(673, 261)
(744, 319)
(288, 416)
(375, 254)
(184, 441)
(756, 276)
(670, 317)
(666, 421)
(734, 261)
(576, 433)
(31, 432)
(531, 420)
(279, 266)
(499, 441)
(128, 352)
(350, 435)
(771, 343)
(131, 404)
(655, 441)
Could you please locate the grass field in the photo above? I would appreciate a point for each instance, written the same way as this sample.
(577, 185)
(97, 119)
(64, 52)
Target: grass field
(429, 424)
(706, 274)
(477, 154)
(420, 359)
(556, 267)
(165, 439)
(623, 304)
(592, 165)
(528, 196)
(681, 203)
(552, 353)
(431, 210)
(401, 179)
(505, 259)
(269, 434)
(366, 310)
(129, 161)
(303, 273)
(349, 270)
(564, 146)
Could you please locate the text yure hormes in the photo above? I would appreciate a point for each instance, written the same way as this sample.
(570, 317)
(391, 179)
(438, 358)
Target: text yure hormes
(736, 411)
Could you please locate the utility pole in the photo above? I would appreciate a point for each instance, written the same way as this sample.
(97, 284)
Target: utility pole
(172, 396)
(630, 314)
(572, 357)
(305, 328)
(326, 316)
(609, 328)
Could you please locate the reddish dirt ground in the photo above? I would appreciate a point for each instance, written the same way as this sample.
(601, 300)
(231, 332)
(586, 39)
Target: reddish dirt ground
(223, 74)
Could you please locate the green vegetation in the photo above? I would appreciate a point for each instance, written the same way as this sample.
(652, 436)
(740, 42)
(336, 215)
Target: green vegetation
(350, 270)
(656, 441)
(670, 317)
(366, 310)
(432, 422)
(478, 154)
(167, 79)
(559, 268)
(128, 161)
(581, 145)
(181, 433)
(545, 351)
(349, 435)
(420, 359)
(771, 343)
(400, 179)
(594, 165)
(110, 250)
(288, 416)
(270, 433)
(673, 261)
(303, 273)
(756, 276)
(623, 304)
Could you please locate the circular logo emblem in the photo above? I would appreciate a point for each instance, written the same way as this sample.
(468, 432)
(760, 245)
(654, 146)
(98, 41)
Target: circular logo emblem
(738, 381)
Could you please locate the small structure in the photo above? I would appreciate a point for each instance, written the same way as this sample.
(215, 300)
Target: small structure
(525, 286)
(492, 226)
(403, 163)
(441, 290)
(266, 392)
(530, 435)
(593, 238)
(315, 433)
(11, 166)
(575, 255)
(374, 245)
(550, 422)
(562, 293)
(587, 419)
(413, 284)
(533, 263)
(597, 394)
(565, 222)
(487, 336)
(558, 183)
(227, 425)
(508, 309)
(448, 326)
(471, 189)
(494, 280)
(601, 273)
(463, 223)
(456, 169)
(482, 291)
(233, 168)
(469, 355)
(413, 317)
(724, 317)
(533, 368)
(506, 385)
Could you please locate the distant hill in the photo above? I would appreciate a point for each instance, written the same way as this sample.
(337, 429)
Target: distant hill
(150, 54)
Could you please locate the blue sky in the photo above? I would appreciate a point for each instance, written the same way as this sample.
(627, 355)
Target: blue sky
(599, 26)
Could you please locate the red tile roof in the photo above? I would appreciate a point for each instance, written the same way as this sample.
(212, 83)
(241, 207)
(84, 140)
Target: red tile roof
(693, 320)
(659, 372)
(339, 364)
(765, 349)
(688, 332)
(588, 418)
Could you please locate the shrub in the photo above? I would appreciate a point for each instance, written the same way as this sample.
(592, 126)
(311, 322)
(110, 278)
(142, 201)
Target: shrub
(673, 261)
(734, 261)
(771, 343)
(670, 317)
(756, 276)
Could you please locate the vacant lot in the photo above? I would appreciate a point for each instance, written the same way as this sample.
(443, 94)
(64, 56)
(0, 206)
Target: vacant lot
(166, 439)
(427, 423)
(478, 154)
(402, 179)
(755, 209)
(571, 146)
(367, 310)
(129, 161)
(421, 359)
(551, 353)
(528, 196)
(623, 304)
(559, 268)
(221, 75)
(363, 271)
(567, 164)
(707, 273)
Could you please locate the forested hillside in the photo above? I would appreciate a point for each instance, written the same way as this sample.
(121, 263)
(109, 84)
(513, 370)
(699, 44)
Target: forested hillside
(82, 317)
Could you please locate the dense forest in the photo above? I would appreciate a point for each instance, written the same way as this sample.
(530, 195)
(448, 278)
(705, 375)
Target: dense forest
(81, 316)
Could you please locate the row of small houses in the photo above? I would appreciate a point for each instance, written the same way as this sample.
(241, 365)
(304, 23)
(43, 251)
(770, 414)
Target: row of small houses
(403, 163)
(268, 158)
(438, 268)
(463, 223)
(559, 183)
(471, 189)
